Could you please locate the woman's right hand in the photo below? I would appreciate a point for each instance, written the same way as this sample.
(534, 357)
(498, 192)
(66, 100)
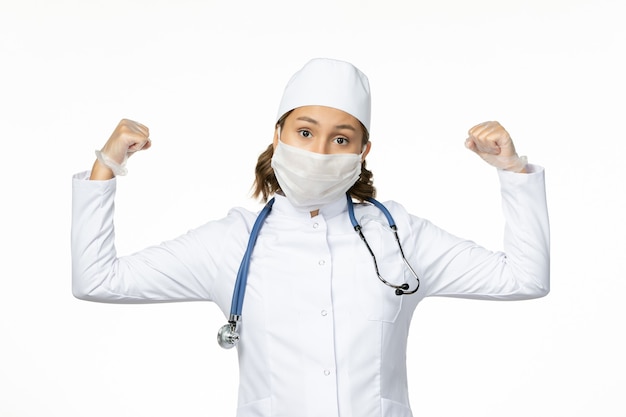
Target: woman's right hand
(127, 138)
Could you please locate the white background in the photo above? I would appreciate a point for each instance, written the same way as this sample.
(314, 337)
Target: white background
(206, 77)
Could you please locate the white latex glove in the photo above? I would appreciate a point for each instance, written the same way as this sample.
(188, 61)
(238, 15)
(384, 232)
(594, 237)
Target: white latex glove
(492, 142)
(127, 138)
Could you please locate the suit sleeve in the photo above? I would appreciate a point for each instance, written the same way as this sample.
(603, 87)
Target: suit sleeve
(455, 267)
(182, 269)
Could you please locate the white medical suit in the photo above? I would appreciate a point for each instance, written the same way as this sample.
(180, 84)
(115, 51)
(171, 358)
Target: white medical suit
(321, 336)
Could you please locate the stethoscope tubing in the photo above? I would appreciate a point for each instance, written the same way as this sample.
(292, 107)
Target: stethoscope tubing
(242, 275)
(228, 335)
(402, 289)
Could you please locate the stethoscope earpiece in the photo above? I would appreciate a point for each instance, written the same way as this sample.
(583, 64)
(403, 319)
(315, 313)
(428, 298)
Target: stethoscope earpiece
(403, 289)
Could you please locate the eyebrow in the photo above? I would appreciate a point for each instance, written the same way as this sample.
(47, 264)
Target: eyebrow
(315, 122)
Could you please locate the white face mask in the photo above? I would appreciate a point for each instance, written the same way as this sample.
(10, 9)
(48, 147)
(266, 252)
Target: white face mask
(310, 180)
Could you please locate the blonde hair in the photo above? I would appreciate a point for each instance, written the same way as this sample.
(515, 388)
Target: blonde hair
(265, 184)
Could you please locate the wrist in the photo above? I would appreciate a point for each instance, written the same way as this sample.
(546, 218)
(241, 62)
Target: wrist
(117, 168)
(101, 172)
(519, 166)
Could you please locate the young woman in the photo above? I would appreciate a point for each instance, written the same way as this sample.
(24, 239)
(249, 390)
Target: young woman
(329, 291)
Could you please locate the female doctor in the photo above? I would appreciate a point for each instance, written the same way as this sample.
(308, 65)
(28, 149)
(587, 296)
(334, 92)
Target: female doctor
(329, 290)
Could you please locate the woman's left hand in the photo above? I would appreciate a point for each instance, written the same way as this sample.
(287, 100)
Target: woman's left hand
(494, 144)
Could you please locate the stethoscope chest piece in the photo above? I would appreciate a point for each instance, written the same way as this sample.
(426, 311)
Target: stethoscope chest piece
(227, 335)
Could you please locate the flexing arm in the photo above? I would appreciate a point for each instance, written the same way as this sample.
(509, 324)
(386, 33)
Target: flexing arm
(171, 271)
(522, 270)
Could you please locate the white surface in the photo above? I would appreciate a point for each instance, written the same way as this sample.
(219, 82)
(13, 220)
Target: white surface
(206, 77)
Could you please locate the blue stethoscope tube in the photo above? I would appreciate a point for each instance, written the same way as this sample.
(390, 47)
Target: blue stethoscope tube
(228, 335)
(242, 274)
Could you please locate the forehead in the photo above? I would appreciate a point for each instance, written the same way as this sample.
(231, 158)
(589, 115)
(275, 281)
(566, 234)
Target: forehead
(324, 115)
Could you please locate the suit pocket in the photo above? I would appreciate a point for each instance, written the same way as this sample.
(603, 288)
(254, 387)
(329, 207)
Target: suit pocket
(394, 409)
(259, 408)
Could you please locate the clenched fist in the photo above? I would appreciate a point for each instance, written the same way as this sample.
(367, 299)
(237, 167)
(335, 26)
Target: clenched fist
(493, 144)
(127, 138)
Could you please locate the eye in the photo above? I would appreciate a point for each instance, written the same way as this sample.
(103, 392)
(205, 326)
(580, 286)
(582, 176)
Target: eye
(305, 133)
(341, 141)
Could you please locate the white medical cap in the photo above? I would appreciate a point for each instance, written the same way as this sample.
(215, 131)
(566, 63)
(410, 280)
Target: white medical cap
(331, 83)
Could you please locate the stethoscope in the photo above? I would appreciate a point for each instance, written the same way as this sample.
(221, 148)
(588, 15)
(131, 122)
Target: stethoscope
(228, 335)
